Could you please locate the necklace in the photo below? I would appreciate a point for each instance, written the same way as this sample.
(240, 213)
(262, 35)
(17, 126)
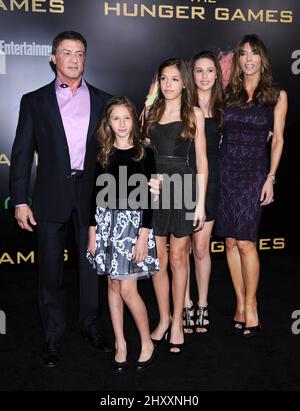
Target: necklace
(203, 103)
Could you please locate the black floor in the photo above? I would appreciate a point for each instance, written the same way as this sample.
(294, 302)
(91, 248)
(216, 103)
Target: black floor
(220, 360)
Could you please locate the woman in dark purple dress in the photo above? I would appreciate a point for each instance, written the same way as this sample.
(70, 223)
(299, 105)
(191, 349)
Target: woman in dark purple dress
(254, 106)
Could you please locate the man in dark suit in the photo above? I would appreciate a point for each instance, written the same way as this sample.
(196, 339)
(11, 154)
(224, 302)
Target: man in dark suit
(59, 121)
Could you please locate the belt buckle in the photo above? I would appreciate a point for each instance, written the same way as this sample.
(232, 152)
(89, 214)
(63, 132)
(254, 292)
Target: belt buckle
(76, 174)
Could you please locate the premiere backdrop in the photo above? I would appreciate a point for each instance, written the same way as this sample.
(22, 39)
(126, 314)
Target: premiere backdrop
(126, 42)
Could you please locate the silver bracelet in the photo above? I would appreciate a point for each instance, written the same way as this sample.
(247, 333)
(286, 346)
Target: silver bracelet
(273, 178)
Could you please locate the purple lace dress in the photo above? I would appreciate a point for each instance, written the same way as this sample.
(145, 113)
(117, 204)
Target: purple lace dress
(243, 170)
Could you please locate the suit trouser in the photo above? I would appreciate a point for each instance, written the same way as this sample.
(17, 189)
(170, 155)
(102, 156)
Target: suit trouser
(51, 244)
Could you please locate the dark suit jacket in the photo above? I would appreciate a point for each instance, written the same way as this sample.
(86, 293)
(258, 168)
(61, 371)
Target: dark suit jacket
(40, 128)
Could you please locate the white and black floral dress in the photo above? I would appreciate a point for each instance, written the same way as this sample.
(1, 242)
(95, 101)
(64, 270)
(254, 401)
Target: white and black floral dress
(117, 229)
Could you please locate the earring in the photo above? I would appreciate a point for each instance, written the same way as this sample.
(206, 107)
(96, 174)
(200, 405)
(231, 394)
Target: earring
(262, 69)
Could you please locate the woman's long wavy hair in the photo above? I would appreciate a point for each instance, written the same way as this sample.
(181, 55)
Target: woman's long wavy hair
(266, 92)
(216, 105)
(106, 136)
(186, 111)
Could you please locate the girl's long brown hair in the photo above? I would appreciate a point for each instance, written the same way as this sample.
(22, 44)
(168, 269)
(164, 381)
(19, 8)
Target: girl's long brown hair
(216, 105)
(105, 134)
(266, 92)
(186, 111)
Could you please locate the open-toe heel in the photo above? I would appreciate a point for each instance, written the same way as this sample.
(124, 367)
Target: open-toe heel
(202, 320)
(179, 347)
(188, 320)
(249, 332)
(238, 326)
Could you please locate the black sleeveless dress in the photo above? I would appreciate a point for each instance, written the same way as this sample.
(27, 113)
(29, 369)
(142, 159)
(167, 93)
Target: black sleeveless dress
(176, 204)
(213, 184)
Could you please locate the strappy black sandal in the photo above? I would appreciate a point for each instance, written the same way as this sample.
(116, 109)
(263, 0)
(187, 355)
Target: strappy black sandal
(188, 327)
(201, 318)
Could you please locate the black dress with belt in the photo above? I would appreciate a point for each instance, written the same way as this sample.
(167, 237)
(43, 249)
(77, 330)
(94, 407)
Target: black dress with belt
(177, 199)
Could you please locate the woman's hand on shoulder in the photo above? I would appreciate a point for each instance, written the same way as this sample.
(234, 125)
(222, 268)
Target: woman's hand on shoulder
(283, 95)
(198, 113)
(282, 102)
(200, 119)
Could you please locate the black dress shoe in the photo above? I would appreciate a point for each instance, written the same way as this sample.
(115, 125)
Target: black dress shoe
(51, 355)
(97, 341)
(142, 365)
(120, 366)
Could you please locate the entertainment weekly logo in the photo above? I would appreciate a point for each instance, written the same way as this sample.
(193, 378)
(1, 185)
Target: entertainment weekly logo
(21, 49)
(296, 64)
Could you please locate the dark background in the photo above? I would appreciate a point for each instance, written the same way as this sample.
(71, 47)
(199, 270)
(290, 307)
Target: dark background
(123, 54)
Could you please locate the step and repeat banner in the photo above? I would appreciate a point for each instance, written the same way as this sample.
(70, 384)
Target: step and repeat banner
(127, 40)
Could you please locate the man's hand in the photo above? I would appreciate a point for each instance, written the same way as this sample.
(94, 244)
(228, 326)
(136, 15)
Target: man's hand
(24, 216)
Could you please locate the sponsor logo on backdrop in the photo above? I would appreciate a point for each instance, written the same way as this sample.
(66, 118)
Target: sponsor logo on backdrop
(2, 63)
(21, 49)
(2, 322)
(5, 161)
(24, 49)
(32, 6)
(296, 62)
(195, 10)
(264, 244)
(296, 324)
(21, 257)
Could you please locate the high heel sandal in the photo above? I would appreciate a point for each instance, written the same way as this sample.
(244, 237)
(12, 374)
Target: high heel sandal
(180, 347)
(157, 343)
(239, 326)
(200, 318)
(188, 328)
(252, 331)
